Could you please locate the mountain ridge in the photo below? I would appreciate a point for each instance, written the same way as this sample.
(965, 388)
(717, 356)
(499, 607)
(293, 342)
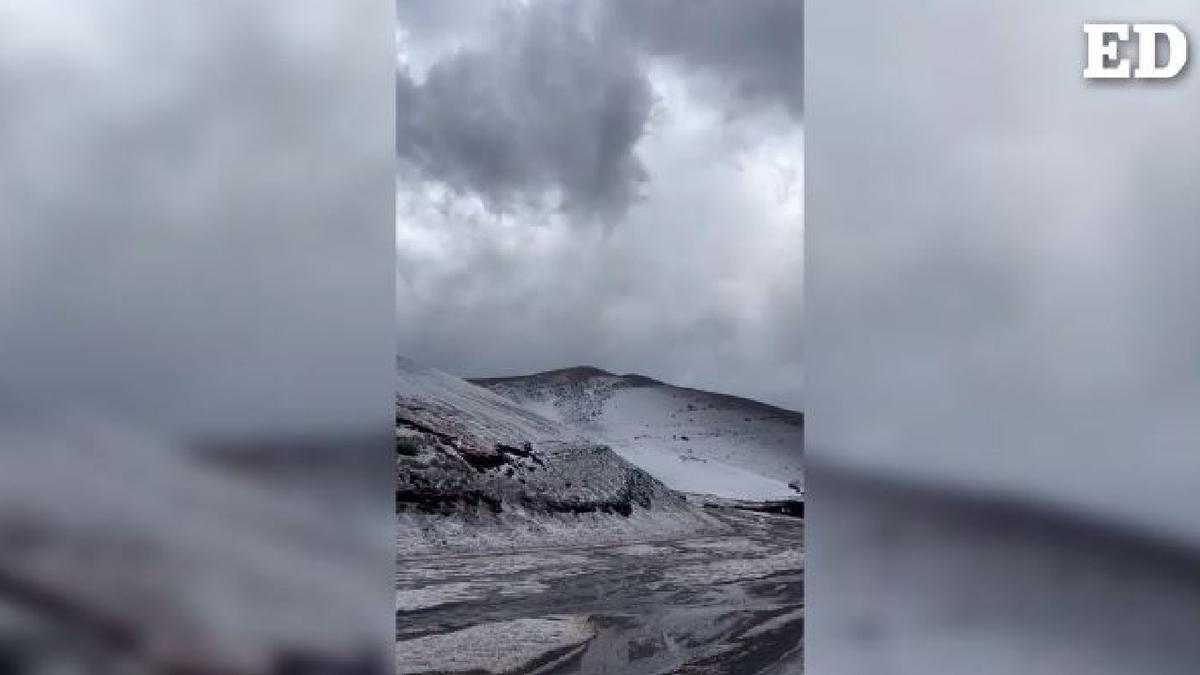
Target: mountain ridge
(475, 470)
(633, 379)
(691, 439)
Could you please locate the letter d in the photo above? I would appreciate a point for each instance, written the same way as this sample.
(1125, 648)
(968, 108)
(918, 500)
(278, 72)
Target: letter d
(1177, 48)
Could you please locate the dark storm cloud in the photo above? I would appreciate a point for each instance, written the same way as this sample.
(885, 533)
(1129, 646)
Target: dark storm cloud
(697, 280)
(434, 19)
(551, 98)
(196, 202)
(551, 103)
(755, 47)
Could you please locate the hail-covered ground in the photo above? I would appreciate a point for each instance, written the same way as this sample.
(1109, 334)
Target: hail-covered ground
(705, 603)
(693, 441)
(528, 543)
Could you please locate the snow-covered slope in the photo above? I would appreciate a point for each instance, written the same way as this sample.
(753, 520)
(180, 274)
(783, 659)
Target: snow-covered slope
(693, 441)
(475, 470)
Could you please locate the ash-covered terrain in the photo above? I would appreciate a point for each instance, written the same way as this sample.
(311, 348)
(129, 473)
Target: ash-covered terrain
(693, 441)
(526, 544)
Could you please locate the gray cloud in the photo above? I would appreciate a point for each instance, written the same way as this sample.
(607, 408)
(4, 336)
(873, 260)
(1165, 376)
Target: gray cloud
(701, 284)
(518, 103)
(1003, 269)
(552, 103)
(754, 47)
(196, 202)
(432, 20)
(676, 128)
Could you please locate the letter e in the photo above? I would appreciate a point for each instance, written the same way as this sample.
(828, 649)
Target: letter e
(1099, 48)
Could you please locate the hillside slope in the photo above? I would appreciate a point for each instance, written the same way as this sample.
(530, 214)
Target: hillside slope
(694, 441)
(477, 471)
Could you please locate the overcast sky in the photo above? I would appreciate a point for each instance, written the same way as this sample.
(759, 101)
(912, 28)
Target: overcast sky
(616, 184)
(1004, 259)
(196, 211)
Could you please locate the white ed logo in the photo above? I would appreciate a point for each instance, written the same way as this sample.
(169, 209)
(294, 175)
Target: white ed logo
(1104, 43)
